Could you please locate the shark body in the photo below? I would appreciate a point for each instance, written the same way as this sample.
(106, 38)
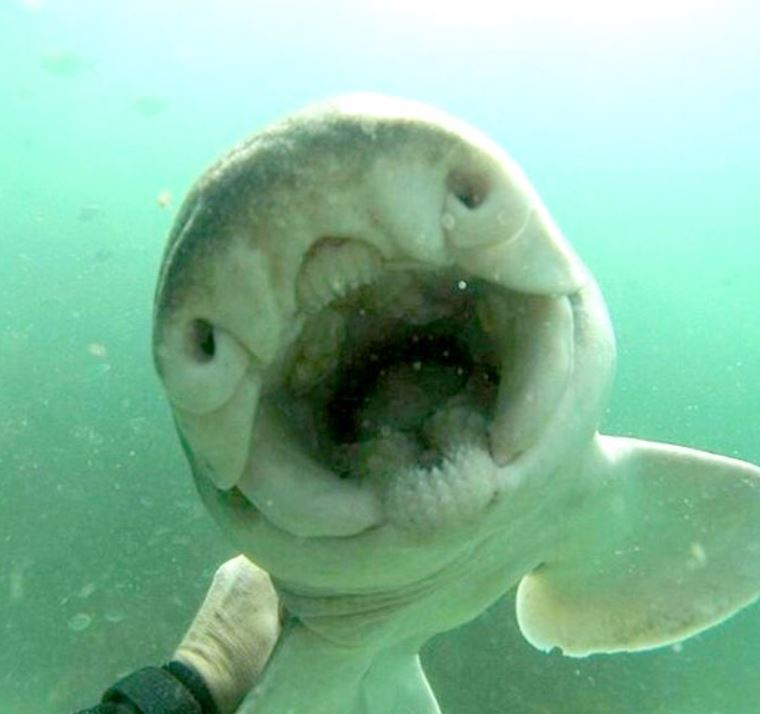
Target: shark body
(388, 368)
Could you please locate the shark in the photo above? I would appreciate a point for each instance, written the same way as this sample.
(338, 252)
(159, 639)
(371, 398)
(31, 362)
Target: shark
(387, 368)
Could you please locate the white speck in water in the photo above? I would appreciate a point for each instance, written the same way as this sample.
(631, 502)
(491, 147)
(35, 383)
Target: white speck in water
(164, 198)
(97, 349)
(79, 622)
(462, 285)
(448, 221)
(87, 590)
(698, 555)
(677, 648)
(115, 616)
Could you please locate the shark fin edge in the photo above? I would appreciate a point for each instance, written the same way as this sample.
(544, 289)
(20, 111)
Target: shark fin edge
(666, 545)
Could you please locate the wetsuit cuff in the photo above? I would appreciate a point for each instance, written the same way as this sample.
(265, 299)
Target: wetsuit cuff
(195, 683)
(174, 688)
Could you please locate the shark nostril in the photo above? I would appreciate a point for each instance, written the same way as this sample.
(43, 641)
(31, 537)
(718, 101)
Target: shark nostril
(470, 190)
(202, 342)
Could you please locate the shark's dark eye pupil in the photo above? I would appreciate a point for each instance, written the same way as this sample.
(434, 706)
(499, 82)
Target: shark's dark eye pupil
(468, 198)
(202, 341)
(469, 190)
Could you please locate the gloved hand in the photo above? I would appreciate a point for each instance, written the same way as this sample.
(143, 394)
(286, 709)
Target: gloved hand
(233, 633)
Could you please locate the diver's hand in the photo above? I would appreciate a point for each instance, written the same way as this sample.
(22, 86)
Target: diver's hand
(234, 632)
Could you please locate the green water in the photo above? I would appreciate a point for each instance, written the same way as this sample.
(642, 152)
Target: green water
(639, 125)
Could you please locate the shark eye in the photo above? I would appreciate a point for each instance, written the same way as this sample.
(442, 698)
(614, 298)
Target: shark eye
(202, 342)
(201, 364)
(469, 189)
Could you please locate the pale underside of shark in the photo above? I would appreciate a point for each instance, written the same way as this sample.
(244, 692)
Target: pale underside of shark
(388, 368)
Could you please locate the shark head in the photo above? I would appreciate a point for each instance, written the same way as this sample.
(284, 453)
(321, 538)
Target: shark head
(356, 301)
(388, 368)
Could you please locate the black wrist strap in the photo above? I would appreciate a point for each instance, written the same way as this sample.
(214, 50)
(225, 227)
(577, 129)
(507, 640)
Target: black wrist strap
(171, 689)
(195, 683)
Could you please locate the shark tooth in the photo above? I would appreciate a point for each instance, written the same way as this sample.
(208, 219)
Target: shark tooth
(448, 495)
(332, 268)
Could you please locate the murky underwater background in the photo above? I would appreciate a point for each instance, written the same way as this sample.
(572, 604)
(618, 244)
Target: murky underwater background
(638, 122)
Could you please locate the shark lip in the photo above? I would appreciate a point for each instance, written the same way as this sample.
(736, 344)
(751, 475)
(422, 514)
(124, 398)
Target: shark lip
(405, 394)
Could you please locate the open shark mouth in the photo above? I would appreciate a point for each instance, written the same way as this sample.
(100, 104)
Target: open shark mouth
(404, 392)
(397, 373)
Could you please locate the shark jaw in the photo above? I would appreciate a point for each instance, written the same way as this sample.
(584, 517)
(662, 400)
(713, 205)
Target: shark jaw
(404, 392)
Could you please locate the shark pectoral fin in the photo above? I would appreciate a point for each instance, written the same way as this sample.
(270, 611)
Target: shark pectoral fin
(668, 545)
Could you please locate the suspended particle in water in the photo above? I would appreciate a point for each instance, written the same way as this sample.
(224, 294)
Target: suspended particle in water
(164, 198)
(115, 616)
(87, 590)
(698, 556)
(79, 622)
(97, 349)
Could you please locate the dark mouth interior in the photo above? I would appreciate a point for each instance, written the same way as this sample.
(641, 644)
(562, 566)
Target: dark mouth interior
(402, 364)
(440, 358)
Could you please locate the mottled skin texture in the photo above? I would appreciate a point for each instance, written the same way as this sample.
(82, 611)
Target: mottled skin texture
(616, 544)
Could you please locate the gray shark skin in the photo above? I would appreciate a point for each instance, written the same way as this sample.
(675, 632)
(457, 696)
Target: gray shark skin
(387, 368)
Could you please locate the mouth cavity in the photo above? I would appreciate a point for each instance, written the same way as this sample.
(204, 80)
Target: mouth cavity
(399, 358)
(405, 391)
